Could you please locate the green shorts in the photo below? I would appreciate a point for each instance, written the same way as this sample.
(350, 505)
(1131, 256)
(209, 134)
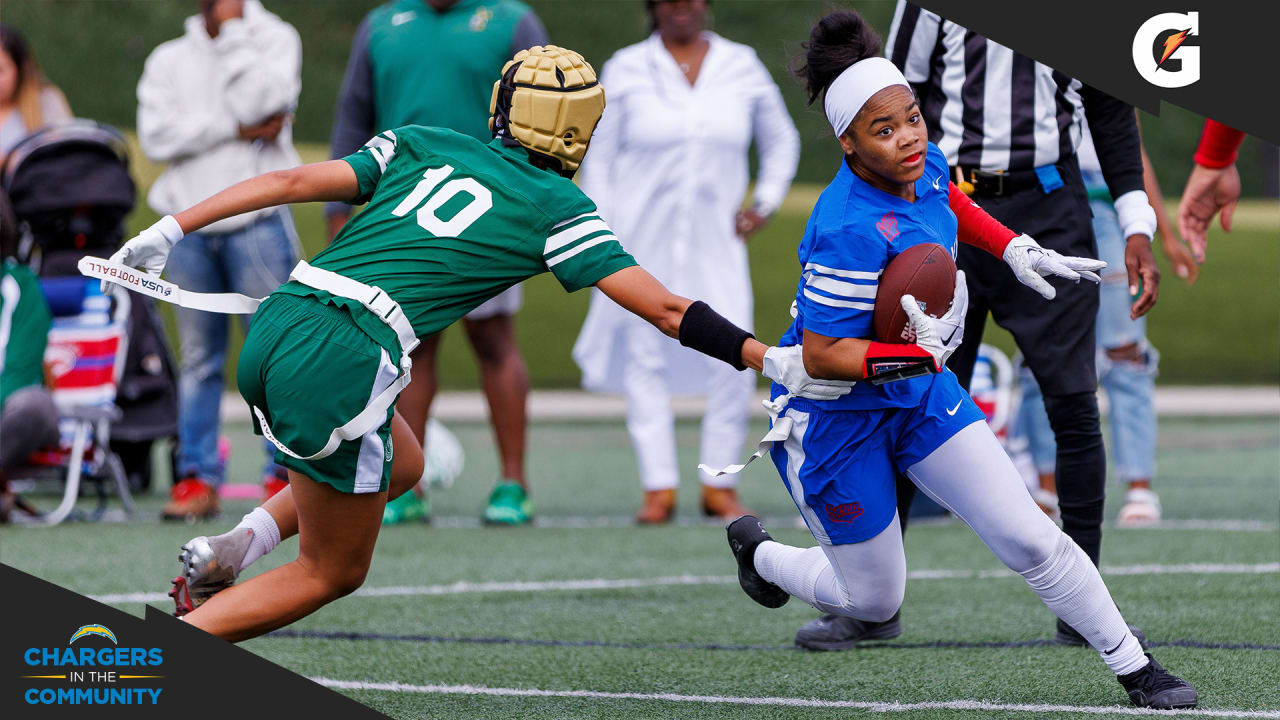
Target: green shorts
(309, 368)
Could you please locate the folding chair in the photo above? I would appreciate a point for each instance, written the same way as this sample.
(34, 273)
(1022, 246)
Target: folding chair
(86, 350)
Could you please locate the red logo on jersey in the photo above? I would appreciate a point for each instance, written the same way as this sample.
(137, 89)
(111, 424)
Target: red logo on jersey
(888, 226)
(844, 513)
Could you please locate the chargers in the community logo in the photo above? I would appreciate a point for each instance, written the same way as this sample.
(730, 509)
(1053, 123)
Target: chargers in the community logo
(92, 672)
(1161, 51)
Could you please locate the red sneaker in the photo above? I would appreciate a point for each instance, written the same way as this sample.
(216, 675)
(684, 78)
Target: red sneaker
(273, 483)
(191, 499)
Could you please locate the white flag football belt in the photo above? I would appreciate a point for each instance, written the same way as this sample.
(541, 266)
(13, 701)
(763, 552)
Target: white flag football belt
(371, 297)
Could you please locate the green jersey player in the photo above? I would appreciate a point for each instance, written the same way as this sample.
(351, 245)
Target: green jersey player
(451, 221)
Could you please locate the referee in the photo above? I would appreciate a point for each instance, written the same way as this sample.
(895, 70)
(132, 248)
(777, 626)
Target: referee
(1009, 127)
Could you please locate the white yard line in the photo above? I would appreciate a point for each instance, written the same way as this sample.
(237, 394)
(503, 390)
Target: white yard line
(969, 705)
(465, 587)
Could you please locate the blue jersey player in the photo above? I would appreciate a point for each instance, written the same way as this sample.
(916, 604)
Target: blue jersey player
(906, 413)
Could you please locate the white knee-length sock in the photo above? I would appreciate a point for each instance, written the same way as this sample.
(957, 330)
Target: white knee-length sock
(1072, 588)
(266, 535)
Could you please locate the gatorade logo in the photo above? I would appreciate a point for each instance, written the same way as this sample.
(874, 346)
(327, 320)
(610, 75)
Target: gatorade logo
(1165, 51)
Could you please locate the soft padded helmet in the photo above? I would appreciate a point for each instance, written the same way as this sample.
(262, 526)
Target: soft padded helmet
(549, 101)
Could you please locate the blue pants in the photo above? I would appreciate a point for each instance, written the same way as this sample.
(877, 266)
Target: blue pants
(840, 466)
(1130, 385)
(253, 260)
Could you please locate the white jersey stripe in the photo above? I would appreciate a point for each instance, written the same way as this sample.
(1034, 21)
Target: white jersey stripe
(851, 274)
(588, 244)
(566, 236)
(838, 303)
(562, 223)
(839, 287)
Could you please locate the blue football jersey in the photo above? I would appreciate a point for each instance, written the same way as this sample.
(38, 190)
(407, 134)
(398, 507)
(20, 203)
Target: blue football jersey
(853, 233)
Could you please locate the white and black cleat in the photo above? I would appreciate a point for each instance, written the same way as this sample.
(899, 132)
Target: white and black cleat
(209, 565)
(745, 535)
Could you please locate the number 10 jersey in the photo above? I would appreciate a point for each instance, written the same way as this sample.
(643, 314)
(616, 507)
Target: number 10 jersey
(452, 222)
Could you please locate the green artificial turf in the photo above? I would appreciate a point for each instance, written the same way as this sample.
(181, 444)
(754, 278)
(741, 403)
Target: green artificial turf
(672, 638)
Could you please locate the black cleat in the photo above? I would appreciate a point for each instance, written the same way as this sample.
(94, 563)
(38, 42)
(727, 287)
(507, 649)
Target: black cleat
(1067, 635)
(1154, 687)
(745, 534)
(836, 632)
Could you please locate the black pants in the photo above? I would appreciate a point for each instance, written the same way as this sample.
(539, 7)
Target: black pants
(1055, 336)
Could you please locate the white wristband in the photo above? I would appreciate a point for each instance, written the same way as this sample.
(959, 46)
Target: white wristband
(1135, 214)
(169, 229)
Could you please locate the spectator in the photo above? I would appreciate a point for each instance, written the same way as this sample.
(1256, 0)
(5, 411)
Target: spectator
(28, 102)
(1009, 127)
(1126, 360)
(216, 105)
(431, 62)
(668, 169)
(28, 419)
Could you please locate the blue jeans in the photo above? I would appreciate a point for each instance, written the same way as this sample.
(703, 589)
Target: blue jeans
(1130, 385)
(253, 260)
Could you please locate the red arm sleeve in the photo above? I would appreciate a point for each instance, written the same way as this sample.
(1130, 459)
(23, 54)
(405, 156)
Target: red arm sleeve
(1218, 145)
(975, 227)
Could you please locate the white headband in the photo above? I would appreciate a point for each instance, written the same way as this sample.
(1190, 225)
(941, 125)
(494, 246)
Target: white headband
(855, 86)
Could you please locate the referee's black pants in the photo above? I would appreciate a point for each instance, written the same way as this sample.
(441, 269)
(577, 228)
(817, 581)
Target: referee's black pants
(1055, 336)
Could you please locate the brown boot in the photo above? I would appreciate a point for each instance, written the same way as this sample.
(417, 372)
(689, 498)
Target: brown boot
(659, 506)
(722, 502)
(191, 499)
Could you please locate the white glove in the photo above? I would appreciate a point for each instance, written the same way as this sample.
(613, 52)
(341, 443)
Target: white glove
(1029, 262)
(939, 336)
(785, 365)
(150, 249)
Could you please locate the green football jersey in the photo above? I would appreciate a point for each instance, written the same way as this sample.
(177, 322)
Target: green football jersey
(452, 222)
(24, 329)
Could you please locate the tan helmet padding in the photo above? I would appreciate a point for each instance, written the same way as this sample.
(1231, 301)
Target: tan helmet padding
(549, 115)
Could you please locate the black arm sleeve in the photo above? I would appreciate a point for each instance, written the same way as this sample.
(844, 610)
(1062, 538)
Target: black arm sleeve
(353, 116)
(1115, 136)
(708, 332)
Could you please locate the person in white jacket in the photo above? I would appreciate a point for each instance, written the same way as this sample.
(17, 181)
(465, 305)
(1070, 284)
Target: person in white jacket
(668, 169)
(216, 105)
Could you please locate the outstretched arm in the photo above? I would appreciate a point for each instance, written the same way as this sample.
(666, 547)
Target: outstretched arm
(331, 180)
(316, 182)
(639, 292)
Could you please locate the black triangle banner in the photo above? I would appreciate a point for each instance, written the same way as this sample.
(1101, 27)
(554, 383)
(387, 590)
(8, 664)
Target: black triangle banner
(63, 655)
(1217, 59)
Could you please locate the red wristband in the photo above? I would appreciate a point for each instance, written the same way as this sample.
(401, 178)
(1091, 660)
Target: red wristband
(975, 227)
(887, 360)
(1218, 145)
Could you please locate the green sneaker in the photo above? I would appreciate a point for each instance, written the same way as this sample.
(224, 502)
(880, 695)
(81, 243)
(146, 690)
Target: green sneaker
(508, 505)
(407, 508)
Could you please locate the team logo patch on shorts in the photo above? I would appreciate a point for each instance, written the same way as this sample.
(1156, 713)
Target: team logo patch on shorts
(844, 512)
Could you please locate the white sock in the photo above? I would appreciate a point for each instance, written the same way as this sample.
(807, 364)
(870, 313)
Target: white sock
(266, 535)
(795, 570)
(1072, 588)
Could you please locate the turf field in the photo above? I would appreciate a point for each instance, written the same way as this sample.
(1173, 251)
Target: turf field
(587, 616)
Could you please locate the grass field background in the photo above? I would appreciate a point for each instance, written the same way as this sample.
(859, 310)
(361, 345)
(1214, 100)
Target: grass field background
(1217, 480)
(1222, 330)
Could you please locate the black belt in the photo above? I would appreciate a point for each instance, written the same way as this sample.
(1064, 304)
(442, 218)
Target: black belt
(998, 183)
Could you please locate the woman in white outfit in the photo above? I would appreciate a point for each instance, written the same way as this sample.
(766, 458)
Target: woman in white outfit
(668, 169)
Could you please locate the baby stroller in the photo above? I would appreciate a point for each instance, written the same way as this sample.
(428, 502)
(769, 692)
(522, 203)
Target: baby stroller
(71, 191)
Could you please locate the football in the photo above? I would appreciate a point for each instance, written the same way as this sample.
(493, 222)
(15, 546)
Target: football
(927, 273)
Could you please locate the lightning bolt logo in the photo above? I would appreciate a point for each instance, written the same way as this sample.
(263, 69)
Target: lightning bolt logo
(93, 630)
(1170, 44)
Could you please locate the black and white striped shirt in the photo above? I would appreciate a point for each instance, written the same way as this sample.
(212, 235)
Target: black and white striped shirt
(990, 108)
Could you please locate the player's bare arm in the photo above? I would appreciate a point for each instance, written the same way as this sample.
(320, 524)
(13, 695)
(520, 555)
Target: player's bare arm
(331, 180)
(639, 292)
